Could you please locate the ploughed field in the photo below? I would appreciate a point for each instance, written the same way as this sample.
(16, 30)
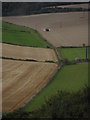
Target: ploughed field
(22, 80)
(28, 53)
(66, 29)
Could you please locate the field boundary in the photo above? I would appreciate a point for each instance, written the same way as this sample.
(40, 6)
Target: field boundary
(72, 46)
(27, 60)
(51, 77)
(50, 45)
(80, 60)
(48, 82)
(22, 45)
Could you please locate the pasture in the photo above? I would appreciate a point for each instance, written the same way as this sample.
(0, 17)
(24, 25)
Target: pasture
(22, 80)
(69, 78)
(72, 53)
(21, 35)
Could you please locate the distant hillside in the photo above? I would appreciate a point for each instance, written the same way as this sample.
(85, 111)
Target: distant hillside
(27, 8)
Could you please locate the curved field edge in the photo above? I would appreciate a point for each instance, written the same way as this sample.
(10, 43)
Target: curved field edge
(61, 26)
(68, 78)
(20, 87)
(21, 35)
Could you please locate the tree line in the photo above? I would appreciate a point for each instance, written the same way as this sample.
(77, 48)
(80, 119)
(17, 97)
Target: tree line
(28, 8)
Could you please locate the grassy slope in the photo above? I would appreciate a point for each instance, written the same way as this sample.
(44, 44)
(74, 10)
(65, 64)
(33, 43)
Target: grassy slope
(70, 78)
(22, 36)
(72, 53)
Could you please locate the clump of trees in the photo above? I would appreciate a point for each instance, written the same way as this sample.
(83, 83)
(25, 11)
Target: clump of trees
(62, 105)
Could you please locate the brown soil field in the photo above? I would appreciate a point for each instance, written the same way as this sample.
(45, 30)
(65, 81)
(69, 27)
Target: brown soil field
(28, 53)
(66, 29)
(22, 80)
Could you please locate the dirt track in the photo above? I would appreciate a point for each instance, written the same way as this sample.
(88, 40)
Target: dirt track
(28, 53)
(67, 29)
(22, 80)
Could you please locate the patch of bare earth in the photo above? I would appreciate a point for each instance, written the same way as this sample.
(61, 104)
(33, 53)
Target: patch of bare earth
(66, 29)
(22, 80)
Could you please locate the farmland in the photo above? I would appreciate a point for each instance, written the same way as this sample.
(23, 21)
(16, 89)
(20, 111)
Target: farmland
(22, 80)
(21, 35)
(66, 29)
(72, 53)
(69, 78)
(26, 70)
(28, 53)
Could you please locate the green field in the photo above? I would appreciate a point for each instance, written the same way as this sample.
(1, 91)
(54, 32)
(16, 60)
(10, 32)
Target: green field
(70, 78)
(72, 53)
(21, 35)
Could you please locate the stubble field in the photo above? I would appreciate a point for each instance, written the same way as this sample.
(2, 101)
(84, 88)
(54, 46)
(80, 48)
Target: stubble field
(22, 80)
(28, 53)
